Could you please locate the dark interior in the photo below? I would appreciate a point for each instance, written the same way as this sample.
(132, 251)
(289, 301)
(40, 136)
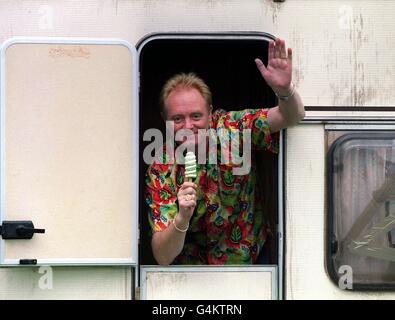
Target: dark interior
(228, 67)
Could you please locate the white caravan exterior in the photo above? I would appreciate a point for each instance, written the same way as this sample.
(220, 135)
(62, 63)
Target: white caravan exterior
(344, 70)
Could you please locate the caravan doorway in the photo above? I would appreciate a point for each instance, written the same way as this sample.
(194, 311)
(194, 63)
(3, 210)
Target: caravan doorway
(226, 63)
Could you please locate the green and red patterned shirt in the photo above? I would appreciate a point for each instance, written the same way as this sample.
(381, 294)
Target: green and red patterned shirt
(228, 225)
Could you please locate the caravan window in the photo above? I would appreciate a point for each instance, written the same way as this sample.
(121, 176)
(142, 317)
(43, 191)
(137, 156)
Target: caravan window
(361, 194)
(227, 65)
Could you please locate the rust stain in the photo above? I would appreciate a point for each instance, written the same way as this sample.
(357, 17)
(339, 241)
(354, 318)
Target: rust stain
(358, 77)
(300, 50)
(71, 52)
(161, 282)
(352, 89)
(115, 3)
(275, 8)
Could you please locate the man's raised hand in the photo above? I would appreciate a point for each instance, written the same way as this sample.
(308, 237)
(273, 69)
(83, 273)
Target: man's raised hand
(278, 73)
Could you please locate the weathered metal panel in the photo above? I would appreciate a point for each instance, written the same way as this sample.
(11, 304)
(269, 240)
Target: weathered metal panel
(344, 49)
(72, 283)
(209, 283)
(306, 276)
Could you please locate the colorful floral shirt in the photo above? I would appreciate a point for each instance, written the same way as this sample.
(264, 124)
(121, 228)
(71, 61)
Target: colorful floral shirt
(228, 225)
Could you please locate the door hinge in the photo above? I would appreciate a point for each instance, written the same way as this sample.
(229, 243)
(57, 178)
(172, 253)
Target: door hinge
(18, 230)
(137, 293)
(28, 261)
(391, 236)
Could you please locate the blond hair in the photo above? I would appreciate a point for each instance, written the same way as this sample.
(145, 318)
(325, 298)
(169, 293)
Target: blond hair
(185, 80)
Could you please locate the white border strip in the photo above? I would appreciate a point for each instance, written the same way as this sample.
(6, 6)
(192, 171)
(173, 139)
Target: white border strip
(349, 115)
(281, 213)
(357, 126)
(72, 262)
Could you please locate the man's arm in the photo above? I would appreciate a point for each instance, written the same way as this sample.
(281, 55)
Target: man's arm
(278, 75)
(287, 113)
(168, 243)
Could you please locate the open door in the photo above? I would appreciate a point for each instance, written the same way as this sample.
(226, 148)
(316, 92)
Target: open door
(69, 144)
(226, 63)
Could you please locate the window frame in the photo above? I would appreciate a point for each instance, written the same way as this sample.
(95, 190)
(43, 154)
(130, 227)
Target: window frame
(369, 131)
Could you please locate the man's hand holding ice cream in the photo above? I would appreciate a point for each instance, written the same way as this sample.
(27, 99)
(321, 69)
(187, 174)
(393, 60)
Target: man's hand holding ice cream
(187, 193)
(190, 166)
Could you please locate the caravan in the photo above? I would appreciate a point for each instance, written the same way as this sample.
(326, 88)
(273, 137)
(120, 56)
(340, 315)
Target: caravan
(79, 87)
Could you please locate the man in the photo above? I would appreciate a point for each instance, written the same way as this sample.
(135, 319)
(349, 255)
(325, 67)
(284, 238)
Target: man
(218, 218)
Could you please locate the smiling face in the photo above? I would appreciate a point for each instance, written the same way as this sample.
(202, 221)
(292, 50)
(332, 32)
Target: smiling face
(188, 109)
